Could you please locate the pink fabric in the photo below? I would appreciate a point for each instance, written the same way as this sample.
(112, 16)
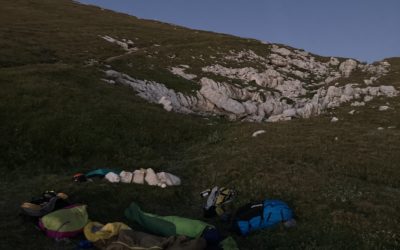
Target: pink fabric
(59, 235)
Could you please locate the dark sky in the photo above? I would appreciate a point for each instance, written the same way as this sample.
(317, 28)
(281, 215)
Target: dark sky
(367, 30)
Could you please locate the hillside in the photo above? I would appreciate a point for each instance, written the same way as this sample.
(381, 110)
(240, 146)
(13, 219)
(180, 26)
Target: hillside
(70, 77)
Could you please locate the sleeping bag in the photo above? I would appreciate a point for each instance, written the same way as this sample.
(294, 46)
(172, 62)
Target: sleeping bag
(259, 215)
(166, 225)
(65, 223)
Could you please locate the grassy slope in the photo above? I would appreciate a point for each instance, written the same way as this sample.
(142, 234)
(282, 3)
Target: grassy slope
(58, 118)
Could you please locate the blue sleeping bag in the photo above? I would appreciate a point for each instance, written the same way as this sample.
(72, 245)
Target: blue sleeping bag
(259, 215)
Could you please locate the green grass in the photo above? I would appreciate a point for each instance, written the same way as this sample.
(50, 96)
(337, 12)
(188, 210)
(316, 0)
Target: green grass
(58, 118)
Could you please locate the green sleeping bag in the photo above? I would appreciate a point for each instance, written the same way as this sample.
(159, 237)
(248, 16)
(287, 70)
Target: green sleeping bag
(166, 225)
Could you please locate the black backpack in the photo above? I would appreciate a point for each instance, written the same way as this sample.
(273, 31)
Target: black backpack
(48, 202)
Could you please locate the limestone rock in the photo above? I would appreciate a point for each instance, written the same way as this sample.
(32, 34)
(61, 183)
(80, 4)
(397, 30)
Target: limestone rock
(277, 118)
(278, 60)
(180, 71)
(347, 67)
(383, 108)
(284, 85)
(250, 107)
(310, 109)
(166, 103)
(368, 98)
(358, 104)
(290, 112)
(125, 44)
(389, 91)
(281, 51)
(291, 88)
(210, 91)
(334, 61)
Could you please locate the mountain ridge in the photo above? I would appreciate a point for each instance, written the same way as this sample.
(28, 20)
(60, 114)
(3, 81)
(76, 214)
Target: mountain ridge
(282, 73)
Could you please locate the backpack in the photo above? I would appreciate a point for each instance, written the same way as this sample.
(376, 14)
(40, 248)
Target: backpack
(218, 197)
(48, 202)
(65, 223)
(259, 215)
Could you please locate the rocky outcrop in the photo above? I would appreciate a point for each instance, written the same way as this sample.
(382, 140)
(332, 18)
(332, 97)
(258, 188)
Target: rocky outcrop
(281, 85)
(156, 93)
(240, 103)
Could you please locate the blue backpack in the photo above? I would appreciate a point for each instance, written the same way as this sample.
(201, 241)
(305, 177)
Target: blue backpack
(260, 215)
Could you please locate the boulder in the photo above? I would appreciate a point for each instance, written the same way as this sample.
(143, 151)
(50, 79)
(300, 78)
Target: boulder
(348, 90)
(334, 61)
(389, 91)
(290, 112)
(309, 109)
(291, 88)
(383, 108)
(281, 51)
(210, 90)
(180, 71)
(368, 98)
(277, 118)
(374, 91)
(278, 60)
(166, 103)
(368, 81)
(358, 104)
(332, 97)
(347, 67)
(250, 107)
